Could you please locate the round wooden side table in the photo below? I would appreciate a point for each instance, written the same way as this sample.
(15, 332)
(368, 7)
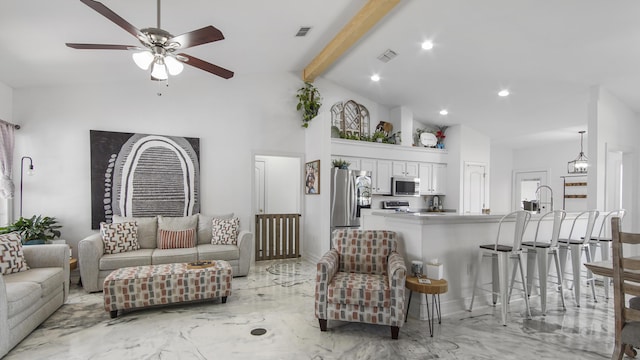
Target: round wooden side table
(435, 287)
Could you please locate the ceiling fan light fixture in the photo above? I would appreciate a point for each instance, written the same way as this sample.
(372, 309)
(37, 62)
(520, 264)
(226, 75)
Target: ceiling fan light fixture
(174, 66)
(159, 70)
(143, 59)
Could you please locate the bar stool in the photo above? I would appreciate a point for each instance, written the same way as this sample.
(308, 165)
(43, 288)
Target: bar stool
(500, 255)
(542, 251)
(603, 241)
(577, 245)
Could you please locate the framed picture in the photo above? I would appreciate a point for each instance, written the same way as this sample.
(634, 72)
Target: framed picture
(312, 178)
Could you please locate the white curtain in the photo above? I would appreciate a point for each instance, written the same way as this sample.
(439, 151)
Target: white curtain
(6, 159)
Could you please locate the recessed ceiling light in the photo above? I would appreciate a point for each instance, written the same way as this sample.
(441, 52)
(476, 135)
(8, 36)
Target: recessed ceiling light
(444, 112)
(427, 45)
(375, 77)
(503, 93)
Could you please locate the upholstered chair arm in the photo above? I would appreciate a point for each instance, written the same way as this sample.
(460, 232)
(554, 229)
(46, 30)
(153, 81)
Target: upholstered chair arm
(55, 255)
(397, 271)
(90, 250)
(326, 270)
(4, 318)
(245, 246)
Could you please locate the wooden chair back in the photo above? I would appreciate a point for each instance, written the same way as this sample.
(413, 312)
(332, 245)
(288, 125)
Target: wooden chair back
(626, 281)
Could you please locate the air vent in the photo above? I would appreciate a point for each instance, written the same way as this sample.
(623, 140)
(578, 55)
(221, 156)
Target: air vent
(387, 55)
(303, 31)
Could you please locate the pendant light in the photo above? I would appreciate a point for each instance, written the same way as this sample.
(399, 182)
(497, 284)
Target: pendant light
(581, 163)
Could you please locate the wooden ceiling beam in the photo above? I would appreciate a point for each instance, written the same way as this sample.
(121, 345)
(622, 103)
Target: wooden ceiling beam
(365, 19)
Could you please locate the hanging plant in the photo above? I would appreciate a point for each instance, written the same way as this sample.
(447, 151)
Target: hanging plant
(309, 102)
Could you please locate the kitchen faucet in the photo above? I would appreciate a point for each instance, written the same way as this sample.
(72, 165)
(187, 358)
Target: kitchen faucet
(538, 197)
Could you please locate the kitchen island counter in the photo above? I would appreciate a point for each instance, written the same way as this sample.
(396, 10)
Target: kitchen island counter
(453, 239)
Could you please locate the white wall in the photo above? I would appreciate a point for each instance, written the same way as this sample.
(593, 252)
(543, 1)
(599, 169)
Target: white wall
(234, 119)
(613, 126)
(501, 159)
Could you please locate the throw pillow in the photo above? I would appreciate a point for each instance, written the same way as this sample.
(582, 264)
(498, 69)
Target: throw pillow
(225, 231)
(119, 237)
(177, 223)
(147, 229)
(11, 255)
(204, 226)
(177, 239)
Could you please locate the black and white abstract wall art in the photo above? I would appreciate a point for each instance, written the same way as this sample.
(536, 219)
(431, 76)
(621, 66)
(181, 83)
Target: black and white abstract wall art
(143, 175)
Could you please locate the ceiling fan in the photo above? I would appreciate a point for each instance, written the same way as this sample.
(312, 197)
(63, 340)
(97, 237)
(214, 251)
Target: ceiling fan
(159, 51)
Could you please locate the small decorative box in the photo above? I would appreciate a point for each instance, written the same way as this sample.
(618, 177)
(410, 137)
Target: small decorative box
(435, 271)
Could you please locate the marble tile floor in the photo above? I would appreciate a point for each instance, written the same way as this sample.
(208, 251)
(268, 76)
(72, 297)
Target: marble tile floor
(278, 296)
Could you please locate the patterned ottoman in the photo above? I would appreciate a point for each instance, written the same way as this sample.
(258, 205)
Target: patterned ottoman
(144, 286)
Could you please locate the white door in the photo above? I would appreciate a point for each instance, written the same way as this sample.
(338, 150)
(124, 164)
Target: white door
(474, 187)
(526, 187)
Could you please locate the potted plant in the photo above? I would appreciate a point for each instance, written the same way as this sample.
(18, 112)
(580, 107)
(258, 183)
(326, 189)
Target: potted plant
(309, 102)
(378, 136)
(34, 230)
(342, 164)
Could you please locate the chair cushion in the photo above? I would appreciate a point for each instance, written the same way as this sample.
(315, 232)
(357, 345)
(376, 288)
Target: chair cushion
(50, 279)
(218, 252)
(147, 229)
(571, 241)
(126, 259)
(364, 251)
(11, 255)
(21, 295)
(170, 256)
(537, 244)
(500, 248)
(631, 334)
(359, 289)
(119, 237)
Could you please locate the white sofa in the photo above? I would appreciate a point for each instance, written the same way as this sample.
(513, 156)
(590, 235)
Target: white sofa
(95, 265)
(28, 298)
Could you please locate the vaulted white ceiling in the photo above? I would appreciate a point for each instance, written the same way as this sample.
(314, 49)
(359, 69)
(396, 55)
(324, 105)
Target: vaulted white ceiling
(548, 53)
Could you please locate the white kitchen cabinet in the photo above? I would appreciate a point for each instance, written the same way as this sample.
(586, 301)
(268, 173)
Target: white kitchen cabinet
(405, 169)
(383, 177)
(433, 178)
(380, 175)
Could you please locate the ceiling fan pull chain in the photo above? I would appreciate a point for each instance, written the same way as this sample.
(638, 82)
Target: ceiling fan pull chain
(159, 27)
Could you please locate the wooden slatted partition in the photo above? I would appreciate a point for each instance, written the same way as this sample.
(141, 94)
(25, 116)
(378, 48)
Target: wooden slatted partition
(277, 236)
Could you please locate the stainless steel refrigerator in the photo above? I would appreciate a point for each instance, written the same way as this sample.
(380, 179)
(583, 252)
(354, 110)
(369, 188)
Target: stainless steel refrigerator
(350, 192)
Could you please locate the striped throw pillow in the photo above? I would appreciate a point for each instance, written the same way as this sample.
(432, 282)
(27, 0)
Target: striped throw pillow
(11, 254)
(177, 239)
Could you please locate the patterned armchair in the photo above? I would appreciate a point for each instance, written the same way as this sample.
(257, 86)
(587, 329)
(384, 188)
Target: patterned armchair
(361, 279)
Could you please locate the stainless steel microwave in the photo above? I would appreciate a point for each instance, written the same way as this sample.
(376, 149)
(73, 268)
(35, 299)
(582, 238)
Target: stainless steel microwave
(405, 186)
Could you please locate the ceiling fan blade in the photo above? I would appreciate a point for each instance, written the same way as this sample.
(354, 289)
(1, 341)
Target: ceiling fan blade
(198, 37)
(115, 18)
(102, 47)
(206, 66)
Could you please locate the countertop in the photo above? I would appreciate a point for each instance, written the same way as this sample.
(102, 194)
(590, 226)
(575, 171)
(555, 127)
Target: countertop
(447, 217)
